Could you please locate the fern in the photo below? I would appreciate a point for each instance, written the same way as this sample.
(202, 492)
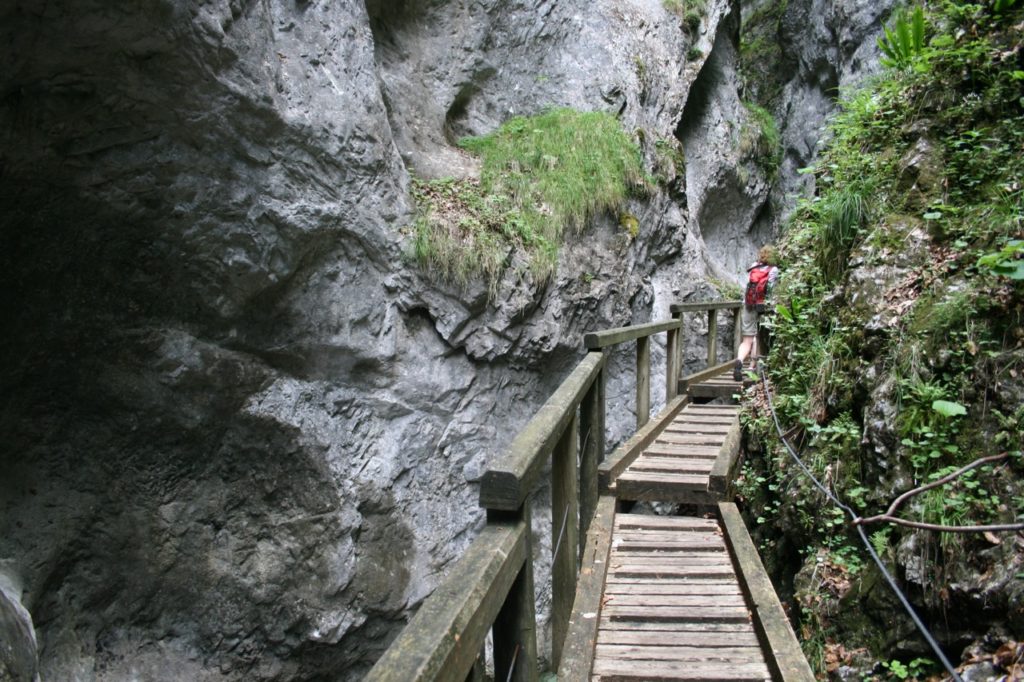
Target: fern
(903, 39)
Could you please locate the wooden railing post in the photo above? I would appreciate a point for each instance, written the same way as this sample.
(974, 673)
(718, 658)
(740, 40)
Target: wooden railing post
(712, 337)
(565, 541)
(671, 364)
(643, 380)
(515, 627)
(737, 333)
(592, 449)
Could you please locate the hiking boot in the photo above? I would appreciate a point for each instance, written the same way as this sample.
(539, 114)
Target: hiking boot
(737, 371)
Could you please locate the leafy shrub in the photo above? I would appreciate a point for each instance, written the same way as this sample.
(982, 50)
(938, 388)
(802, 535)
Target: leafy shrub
(903, 39)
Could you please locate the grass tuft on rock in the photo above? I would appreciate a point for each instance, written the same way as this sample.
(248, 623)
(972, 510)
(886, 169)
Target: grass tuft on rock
(540, 176)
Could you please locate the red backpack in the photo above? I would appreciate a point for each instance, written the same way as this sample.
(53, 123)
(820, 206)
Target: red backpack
(757, 286)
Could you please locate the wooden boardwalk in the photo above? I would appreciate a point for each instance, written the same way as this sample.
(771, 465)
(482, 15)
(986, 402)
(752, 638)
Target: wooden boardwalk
(673, 608)
(678, 597)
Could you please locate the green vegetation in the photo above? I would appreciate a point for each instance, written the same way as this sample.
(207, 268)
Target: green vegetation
(903, 39)
(761, 56)
(903, 294)
(540, 176)
(761, 140)
(692, 12)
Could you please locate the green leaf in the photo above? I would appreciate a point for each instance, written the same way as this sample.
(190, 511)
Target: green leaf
(949, 409)
(932, 215)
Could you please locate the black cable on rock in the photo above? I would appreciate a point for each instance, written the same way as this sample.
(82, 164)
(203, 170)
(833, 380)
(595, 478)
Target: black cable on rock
(855, 521)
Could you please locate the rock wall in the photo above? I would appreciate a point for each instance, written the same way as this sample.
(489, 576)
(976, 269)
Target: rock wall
(241, 429)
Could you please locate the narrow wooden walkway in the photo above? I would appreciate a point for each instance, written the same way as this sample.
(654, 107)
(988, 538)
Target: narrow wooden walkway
(681, 598)
(673, 607)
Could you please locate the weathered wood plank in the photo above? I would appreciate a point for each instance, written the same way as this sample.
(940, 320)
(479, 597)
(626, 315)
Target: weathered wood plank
(671, 449)
(672, 587)
(680, 522)
(720, 614)
(702, 600)
(677, 638)
(612, 337)
(624, 455)
(672, 363)
(783, 651)
(666, 571)
(699, 306)
(578, 652)
(679, 671)
(698, 427)
(515, 474)
(443, 639)
(691, 438)
(736, 654)
(673, 626)
(680, 465)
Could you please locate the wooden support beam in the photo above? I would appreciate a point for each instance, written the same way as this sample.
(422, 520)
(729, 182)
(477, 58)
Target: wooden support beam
(516, 473)
(712, 337)
(672, 364)
(515, 625)
(643, 380)
(780, 646)
(581, 639)
(737, 332)
(443, 639)
(564, 535)
(592, 448)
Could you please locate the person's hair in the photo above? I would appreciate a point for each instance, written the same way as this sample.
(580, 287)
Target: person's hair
(767, 255)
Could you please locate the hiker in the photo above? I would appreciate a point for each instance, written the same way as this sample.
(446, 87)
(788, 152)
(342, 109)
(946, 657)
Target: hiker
(761, 278)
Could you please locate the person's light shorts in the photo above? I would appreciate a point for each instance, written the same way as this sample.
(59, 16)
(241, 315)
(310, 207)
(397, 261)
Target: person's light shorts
(748, 321)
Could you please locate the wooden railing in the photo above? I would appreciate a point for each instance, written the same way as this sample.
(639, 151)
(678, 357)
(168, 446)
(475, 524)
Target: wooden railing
(491, 586)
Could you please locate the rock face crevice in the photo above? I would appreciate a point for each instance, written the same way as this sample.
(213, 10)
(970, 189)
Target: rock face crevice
(241, 429)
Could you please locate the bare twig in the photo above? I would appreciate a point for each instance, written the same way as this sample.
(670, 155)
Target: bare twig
(889, 517)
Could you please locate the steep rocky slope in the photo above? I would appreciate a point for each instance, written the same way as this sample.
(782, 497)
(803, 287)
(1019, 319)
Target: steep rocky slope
(241, 428)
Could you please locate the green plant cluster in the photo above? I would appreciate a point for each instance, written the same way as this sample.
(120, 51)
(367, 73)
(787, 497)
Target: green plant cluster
(540, 176)
(760, 139)
(692, 12)
(937, 343)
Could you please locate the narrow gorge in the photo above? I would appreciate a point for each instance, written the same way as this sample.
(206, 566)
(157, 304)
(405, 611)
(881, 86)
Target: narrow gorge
(243, 426)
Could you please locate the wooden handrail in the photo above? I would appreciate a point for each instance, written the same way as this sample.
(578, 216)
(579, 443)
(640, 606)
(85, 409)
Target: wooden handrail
(516, 473)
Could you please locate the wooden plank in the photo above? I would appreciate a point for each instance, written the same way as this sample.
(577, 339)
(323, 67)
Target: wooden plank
(675, 449)
(736, 654)
(714, 614)
(611, 670)
(691, 439)
(444, 638)
(515, 627)
(698, 427)
(624, 455)
(578, 652)
(687, 417)
(700, 306)
(565, 534)
(720, 480)
(676, 638)
(648, 521)
(704, 600)
(677, 464)
(666, 571)
(721, 588)
(783, 650)
(643, 381)
(674, 626)
(672, 363)
(515, 474)
(612, 337)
